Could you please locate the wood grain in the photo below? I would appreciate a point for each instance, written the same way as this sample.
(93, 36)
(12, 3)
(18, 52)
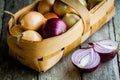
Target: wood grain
(1, 15)
(64, 70)
(116, 22)
(108, 70)
(11, 69)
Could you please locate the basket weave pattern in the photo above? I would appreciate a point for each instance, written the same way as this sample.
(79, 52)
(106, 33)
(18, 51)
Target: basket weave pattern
(42, 55)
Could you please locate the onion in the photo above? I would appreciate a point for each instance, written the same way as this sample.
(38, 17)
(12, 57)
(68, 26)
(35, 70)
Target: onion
(60, 8)
(50, 15)
(83, 2)
(70, 19)
(87, 60)
(45, 6)
(32, 20)
(53, 27)
(106, 48)
(31, 35)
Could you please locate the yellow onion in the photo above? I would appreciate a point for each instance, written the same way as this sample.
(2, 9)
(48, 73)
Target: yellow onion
(32, 20)
(45, 6)
(61, 8)
(83, 2)
(50, 15)
(31, 35)
(16, 30)
(70, 19)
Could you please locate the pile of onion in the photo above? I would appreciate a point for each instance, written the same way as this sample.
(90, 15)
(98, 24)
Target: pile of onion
(88, 59)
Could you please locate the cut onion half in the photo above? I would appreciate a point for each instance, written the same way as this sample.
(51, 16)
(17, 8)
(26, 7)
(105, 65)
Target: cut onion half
(106, 48)
(87, 60)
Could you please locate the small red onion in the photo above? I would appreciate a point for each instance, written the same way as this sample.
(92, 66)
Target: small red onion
(87, 60)
(106, 48)
(54, 27)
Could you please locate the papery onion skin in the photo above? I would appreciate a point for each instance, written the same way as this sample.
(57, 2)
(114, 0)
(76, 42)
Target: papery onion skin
(32, 21)
(45, 6)
(50, 15)
(53, 27)
(90, 66)
(70, 19)
(31, 35)
(83, 2)
(107, 49)
(61, 9)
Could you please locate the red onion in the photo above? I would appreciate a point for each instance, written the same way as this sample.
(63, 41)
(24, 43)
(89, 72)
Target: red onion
(106, 48)
(54, 27)
(87, 60)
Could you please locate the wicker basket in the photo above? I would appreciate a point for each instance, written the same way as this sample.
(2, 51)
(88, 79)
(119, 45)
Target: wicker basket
(43, 55)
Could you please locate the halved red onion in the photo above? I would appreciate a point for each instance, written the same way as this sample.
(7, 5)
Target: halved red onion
(106, 48)
(87, 60)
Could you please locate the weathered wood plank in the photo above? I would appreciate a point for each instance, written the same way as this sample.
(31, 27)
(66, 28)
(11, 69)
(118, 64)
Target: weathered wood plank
(9, 68)
(1, 14)
(108, 70)
(63, 70)
(117, 26)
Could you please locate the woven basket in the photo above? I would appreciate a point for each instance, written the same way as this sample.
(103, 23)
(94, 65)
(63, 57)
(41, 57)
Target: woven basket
(43, 55)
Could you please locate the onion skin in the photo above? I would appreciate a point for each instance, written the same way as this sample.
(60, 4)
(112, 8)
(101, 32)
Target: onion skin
(45, 6)
(70, 19)
(53, 27)
(61, 9)
(50, 15)
(31, 35)
(32, 21)
(109, 57)
(107, 49)
(83, 2)
(81, 55)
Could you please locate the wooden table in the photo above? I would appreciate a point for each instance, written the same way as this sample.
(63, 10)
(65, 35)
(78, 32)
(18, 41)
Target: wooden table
(11, 69)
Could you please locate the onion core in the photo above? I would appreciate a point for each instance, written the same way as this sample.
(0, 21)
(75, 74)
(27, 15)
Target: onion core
(87, 60)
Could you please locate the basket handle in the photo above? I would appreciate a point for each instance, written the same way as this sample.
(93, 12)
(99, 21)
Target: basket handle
(82, 11)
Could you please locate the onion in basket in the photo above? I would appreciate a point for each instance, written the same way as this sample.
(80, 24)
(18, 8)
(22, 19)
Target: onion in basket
(32, 20)
(45, 6)
(70, 19)
(61, 8)
(31, 35)
(83, 2)
(50, 15)
(106, 48)
(53, 27)
(87, 60)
